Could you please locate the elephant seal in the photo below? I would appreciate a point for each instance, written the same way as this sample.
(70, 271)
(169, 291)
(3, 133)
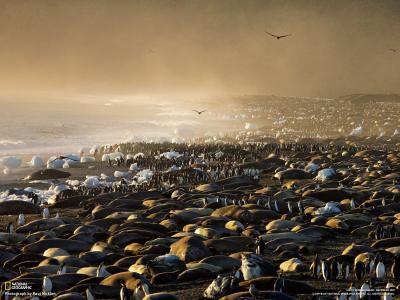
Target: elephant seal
(292, 265)
(166, 277)
(291, 286)
(52, 252)
(281, 225)
(293, 174)
(386, 243)
(61, 282)
(47, 174)
(22, 257)
(67, 245)
(355, 249)
(40, 224)
(332, 194)
(16, 207)
(131, 280)
(93, 257)
(208, 188)
(226, 263)
(226, 245)
(73, 201)
(67, 260)
(190, 249)
(199, 265)
(196, 274)
(234, 212)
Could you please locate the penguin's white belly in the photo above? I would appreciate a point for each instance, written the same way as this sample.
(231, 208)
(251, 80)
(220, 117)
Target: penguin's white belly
(251, 272)
(380, 270)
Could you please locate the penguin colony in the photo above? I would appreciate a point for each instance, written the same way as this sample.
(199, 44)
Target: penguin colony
(261, 221)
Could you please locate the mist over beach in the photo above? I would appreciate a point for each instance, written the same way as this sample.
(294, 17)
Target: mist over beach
(53, 124)
(80, 73)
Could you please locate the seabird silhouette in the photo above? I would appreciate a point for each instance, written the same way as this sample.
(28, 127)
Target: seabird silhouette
(199, 112)
(277, 36)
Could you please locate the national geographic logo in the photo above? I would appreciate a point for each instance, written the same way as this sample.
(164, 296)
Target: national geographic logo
(22, 289)
(6, 286)
(17, 285)
(10, 287)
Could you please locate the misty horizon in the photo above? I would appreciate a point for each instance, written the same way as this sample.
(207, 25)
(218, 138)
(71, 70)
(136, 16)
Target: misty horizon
(78, 73)
(198, 48)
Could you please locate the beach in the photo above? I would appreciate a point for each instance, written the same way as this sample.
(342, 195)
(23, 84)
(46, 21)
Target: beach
(212, 194)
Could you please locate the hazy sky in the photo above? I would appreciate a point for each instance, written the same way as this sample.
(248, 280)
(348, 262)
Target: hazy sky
(200, 47)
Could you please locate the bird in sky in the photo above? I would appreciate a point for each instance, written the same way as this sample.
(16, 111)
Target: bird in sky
(199, 112)
(393, 50)
(277, 36)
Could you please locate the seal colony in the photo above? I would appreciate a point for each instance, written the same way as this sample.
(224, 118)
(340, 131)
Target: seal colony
(215, 221)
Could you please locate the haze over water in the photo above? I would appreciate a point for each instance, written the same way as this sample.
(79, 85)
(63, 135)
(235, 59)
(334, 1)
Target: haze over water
(60, 125)
(78, 73)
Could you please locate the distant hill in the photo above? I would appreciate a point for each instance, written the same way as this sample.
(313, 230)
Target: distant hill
(365, 98)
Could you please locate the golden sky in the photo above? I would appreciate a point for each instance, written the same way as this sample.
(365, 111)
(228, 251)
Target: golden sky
(199, 46)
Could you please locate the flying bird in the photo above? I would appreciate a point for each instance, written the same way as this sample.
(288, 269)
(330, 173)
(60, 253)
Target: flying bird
(199, 112)
(393, 50)
(277, 36)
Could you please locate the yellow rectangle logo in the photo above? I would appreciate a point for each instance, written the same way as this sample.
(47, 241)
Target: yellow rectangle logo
(7, 285)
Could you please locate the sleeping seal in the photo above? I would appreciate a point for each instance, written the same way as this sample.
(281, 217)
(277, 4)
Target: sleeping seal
(16, 207)
(67, 245)
(47, 174)
(190, 249)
